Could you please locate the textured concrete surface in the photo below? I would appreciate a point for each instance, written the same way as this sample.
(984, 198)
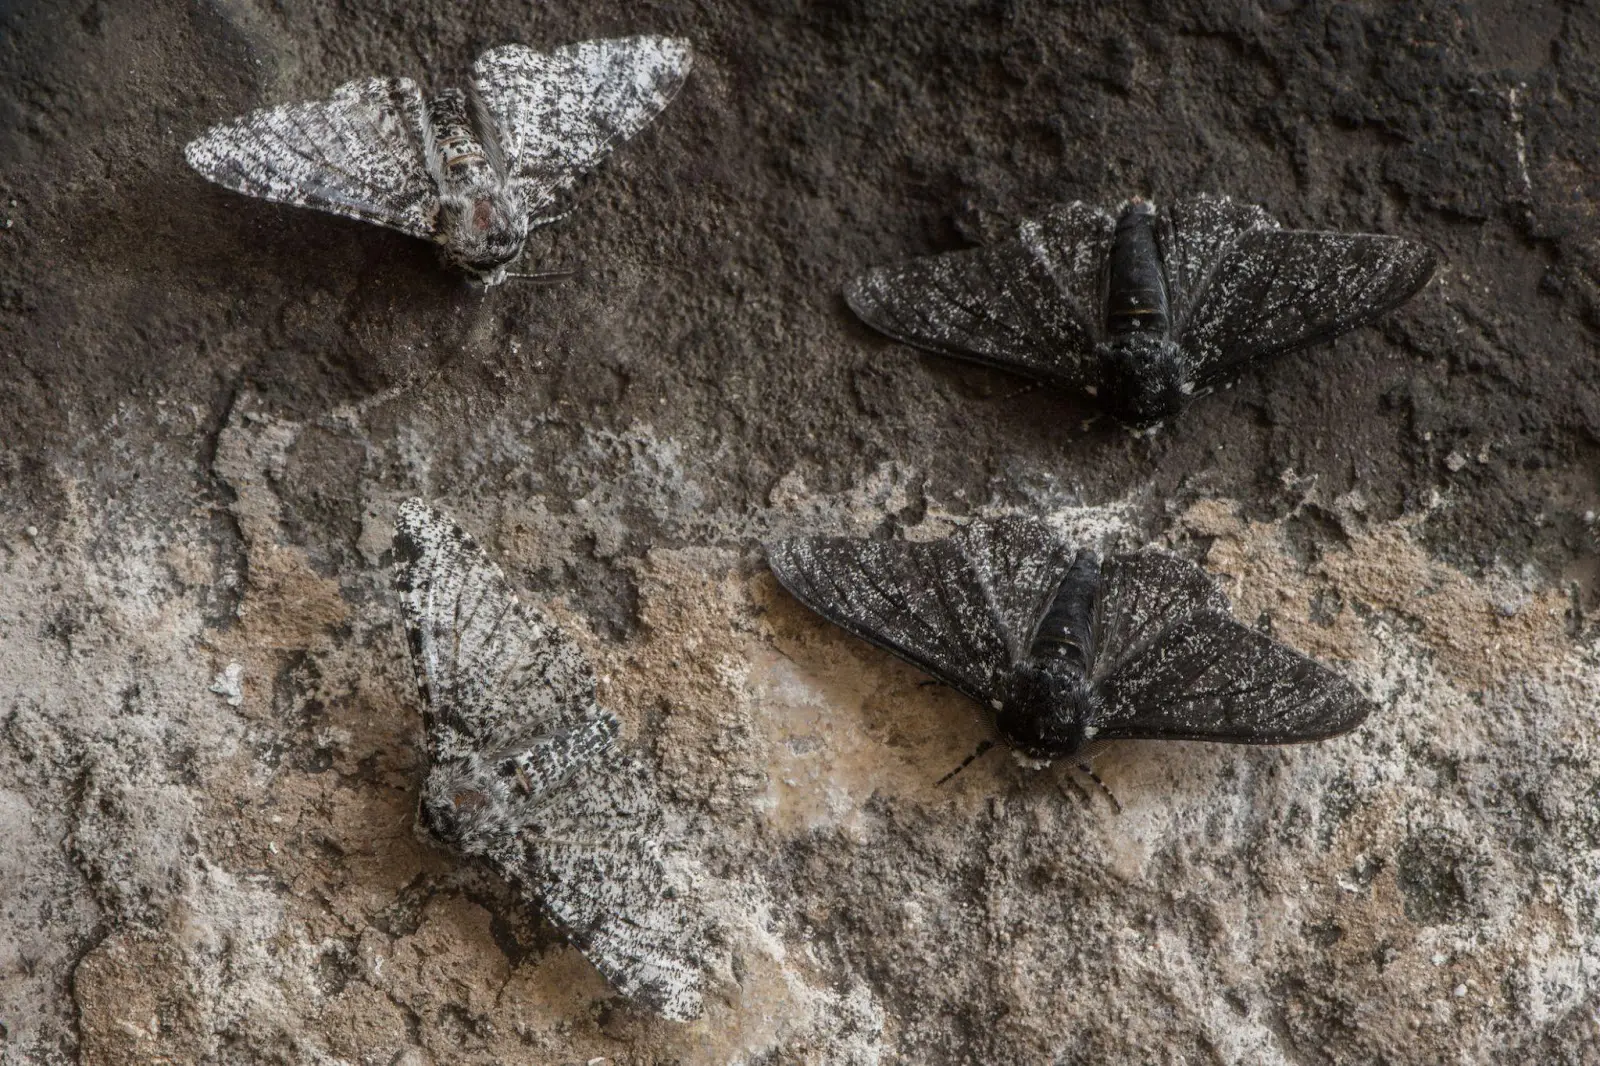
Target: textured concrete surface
(211, 407)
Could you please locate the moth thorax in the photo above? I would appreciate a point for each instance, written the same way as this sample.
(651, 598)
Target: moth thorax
(481, 230)
(1141, 378)
(1046, 709)
(464, 806)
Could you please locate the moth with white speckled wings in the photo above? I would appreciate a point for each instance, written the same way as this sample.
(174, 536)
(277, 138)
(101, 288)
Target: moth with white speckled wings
(524, 770)
(471, 170)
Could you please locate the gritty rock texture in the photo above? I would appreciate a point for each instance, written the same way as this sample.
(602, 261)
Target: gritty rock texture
(209, 734)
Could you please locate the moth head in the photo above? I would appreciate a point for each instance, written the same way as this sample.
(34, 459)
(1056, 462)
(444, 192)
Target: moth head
(1046, 710)
(481, 231)
(1142, 380)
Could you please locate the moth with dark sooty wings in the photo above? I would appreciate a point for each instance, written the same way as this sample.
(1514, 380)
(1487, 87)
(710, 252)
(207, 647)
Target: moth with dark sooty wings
(1065, 650)
(1146, 309)
(473, 171)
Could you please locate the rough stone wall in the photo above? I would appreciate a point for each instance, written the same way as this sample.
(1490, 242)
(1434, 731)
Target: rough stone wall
(211, 406)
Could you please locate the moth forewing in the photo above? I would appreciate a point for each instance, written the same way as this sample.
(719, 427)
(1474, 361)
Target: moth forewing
(360, 154)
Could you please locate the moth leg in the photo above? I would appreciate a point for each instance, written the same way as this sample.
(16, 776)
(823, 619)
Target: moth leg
(1088, 771)
(1022, 390)
(536, 220)
(983, 746)
(1086, 756)
(1064, 781)
(548, 206)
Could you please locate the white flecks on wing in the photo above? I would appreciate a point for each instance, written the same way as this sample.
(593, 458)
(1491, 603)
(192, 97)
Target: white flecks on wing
(560, 113)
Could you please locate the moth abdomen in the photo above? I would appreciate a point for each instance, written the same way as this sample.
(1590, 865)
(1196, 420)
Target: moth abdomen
(1136, 290)
(1066, 631)
(457, 141)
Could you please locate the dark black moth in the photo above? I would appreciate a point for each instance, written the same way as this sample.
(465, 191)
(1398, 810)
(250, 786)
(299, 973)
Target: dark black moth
(1066, 650)
(1146, 309)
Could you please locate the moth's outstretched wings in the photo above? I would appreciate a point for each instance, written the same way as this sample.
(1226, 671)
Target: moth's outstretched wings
(1195, 236)
(962, 609)
(583, 838)
(557, 114)
(360, 153)
(494, 671)
(1020, 564)
(919, 601)
(1031, 304)
(1206, 677)
(1141, 593)
(1277, 290)
(591, 858)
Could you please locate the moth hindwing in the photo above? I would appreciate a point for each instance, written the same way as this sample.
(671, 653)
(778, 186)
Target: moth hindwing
(473, 171)
(525, 772)
(1145, 309)
(1066, 650)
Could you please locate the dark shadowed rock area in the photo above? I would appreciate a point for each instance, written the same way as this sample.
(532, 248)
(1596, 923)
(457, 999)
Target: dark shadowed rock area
(211, 406)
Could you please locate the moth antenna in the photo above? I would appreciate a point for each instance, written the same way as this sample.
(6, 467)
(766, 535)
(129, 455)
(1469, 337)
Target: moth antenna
(1110, 795)
(983, 746)
(1022, 391)
(544, 277)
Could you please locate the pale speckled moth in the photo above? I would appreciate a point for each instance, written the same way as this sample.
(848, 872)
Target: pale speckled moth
(471, 170)
(1145, 309)
(1066, 651)
(524, 769)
